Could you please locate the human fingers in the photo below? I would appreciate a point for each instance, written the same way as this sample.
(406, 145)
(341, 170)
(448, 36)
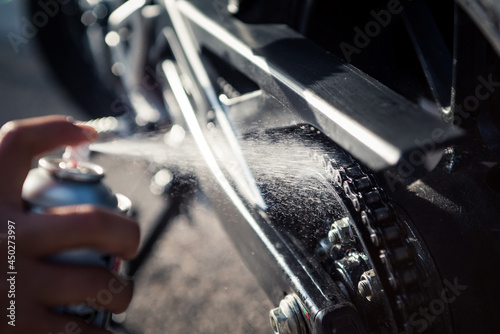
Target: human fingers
(22, 140)
(72, 227)
(99, 288)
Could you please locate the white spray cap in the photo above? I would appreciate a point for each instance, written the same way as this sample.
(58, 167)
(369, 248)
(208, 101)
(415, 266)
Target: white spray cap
(77, 153)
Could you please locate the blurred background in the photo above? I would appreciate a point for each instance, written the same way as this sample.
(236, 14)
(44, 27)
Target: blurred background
(194, 282)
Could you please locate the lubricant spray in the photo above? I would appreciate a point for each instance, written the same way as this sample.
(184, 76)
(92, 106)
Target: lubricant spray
(61, 182)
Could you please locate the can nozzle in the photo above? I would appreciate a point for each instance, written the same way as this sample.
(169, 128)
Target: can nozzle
(77, 153)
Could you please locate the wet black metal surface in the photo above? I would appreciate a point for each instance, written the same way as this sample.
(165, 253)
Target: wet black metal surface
(278, 251)
(378, 127)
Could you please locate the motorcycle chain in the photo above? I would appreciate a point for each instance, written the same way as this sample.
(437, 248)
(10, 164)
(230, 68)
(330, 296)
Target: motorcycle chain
(383, 231)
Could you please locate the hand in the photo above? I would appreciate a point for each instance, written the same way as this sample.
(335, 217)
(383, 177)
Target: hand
(39, 286)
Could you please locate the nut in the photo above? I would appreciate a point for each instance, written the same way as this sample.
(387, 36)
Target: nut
(288, 318)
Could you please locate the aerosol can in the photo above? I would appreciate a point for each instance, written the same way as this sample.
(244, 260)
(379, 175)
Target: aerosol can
(62, 182)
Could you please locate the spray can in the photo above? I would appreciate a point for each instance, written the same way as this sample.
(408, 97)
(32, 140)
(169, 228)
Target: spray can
(61, 182)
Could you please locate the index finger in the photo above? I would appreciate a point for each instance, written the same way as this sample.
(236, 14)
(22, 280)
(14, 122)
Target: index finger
(22, 140)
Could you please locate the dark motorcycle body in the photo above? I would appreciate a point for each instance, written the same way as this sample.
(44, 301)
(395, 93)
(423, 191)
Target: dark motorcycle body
(380, 120)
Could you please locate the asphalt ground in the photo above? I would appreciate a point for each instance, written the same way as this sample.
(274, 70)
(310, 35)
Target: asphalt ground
(194, 281)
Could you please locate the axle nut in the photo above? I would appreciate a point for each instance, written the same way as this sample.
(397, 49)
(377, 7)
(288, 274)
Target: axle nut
(288, 318)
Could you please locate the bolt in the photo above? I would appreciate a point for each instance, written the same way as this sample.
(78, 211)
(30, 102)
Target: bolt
(365, 289)
(340, 231)
(279, 321)
(288, 318)
(365, 285)
(334, 236)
